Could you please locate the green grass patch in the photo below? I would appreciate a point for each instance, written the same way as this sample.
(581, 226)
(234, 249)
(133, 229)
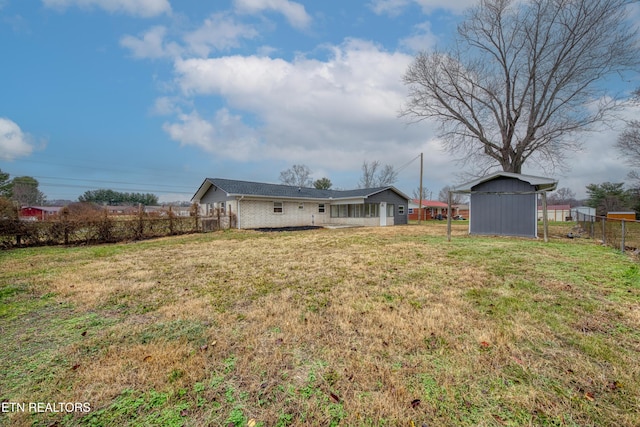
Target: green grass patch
(366, 327)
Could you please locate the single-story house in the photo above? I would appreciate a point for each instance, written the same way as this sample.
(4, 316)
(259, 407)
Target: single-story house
(431, 209)
(38, 213)
(505, 203)
(556, 213)
(262, 205)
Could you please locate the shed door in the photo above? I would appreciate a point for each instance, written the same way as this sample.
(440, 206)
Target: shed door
(383, 214)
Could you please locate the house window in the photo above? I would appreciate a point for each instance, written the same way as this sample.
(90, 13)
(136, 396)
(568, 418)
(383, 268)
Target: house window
(321, 208)
(400, 209)
(371, 210)
(222, 207)
(410, 211)
(390, 208)
(339, 211)
(300, 206)
(277, 207)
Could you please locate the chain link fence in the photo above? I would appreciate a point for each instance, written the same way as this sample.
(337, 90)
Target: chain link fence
(617, 233)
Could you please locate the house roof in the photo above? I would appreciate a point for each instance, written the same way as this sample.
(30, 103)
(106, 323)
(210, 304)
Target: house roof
(260, 189)
(430, 203)
(540, 183)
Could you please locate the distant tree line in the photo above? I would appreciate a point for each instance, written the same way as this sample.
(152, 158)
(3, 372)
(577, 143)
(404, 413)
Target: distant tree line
(112, 198)
(21, 189)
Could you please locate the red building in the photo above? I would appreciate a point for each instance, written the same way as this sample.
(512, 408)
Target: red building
(38, 213)
(431, 209)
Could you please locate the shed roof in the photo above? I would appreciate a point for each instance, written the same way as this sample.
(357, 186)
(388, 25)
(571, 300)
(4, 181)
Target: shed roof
(260, 189)
(540, 183)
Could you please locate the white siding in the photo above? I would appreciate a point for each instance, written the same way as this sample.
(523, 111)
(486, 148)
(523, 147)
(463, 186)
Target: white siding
(258, 214)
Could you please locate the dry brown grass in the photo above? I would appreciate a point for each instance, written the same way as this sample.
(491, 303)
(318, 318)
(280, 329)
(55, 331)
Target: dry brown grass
(353, 327)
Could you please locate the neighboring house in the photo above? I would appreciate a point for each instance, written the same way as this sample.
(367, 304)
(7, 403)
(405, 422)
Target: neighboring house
(121, 209)
(262, 205)
(38, 213)
(431, 209)
(556, 213)
(505, 203)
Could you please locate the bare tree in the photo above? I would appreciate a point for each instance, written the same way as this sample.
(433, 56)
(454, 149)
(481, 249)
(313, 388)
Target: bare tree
(426, 193)
(522, 77)
(368, 178)
(628, 143)
(563, 196)
(456, 198)
(374, 176)
(299, 175)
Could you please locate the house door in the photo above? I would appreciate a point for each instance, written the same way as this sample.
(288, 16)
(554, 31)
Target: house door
(383, 214)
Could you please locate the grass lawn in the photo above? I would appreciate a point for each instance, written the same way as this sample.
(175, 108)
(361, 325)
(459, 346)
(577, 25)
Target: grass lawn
(358, 327)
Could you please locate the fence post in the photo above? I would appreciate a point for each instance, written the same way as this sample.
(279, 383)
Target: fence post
(195, 209)
(622, 239)
(604, 231)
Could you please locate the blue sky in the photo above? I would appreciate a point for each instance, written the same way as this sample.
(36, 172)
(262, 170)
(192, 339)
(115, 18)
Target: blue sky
(155, 95)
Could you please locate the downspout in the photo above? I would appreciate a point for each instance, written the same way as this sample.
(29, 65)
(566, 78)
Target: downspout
(241, 197)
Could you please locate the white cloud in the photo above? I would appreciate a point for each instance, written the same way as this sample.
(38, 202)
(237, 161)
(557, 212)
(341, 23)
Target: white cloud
(396, 7)
(224, 135)
(13, 142)
(165, 105)
(143, 8)
(294, 12)
(151, 44)
(334, 113)
(389, 7)
(219, 32)
(422, 39)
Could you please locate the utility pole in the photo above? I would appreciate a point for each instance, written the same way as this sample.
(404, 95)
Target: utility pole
(420, 203)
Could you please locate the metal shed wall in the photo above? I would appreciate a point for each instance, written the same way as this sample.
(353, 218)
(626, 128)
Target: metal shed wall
(394, 198)
(503, 214)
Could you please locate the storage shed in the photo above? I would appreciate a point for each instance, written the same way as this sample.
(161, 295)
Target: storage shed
(505, 203)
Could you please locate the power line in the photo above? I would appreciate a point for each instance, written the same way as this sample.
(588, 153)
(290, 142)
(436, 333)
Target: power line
(401, 168)
(111, 182)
